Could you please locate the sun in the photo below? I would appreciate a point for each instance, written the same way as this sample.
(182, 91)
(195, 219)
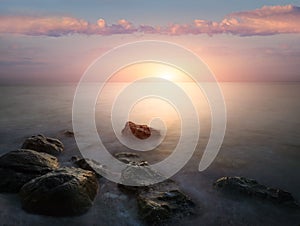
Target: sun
(168, 76)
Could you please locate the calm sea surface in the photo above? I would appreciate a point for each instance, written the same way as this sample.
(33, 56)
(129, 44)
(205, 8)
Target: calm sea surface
(262, 139)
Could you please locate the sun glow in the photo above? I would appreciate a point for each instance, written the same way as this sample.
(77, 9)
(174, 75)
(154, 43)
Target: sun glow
(168, 76)
(143, 70)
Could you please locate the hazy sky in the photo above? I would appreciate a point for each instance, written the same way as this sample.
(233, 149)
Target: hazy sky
(55, 41)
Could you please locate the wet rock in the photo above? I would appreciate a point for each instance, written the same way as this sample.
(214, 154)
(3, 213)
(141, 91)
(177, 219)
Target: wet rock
(157, 203)
(74, 158)
(127, 157)
(252, 188)
(159, 206)
(139, 131)
(20, 166)
(139, 174)
(41, 143)
(90, 165)
(64, 192)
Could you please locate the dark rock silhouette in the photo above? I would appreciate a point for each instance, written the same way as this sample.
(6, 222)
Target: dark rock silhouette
(41, 143)
(252, 188)
(64, 192)
(19, 167)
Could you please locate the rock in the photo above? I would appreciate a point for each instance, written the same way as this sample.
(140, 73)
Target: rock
(41, 143)
(139, 131)
(156, 203)
(69, 133)
(74, 158)
(139, 174)
(158, 206)
(127, 157)
(64, 192)
(90, 165)
(252, 188)
(19, 167)
(164, 201)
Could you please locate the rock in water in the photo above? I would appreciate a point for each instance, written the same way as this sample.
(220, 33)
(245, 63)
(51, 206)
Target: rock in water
(19, 167)
(64, 192)
(159, 206)
(252, 188)
(127, 157)
(69, 133)
(138, 175)
(139, 131)
(41, 143)
(157, 203)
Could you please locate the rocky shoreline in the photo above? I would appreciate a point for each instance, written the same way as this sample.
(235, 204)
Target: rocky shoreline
(47, 187)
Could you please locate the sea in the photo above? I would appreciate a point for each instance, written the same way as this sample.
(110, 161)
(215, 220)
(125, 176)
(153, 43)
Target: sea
(261, 141)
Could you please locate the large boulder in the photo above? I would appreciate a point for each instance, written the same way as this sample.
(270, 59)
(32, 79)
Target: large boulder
(19, 167)
(139, 131)
(252, 188)
(41, 143)
(64, 192)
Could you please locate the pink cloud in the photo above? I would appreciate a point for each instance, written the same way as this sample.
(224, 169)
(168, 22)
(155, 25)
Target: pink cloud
(268, 20)
(51, 26)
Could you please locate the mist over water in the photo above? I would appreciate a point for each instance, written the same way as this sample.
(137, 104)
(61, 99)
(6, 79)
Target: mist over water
(262, 139)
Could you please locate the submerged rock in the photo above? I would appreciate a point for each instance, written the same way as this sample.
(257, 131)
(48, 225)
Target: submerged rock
(69, 133)
(252, 188)
(139, 131)
(41, 143)
(64, 192)
(127, 157)
(19, 167)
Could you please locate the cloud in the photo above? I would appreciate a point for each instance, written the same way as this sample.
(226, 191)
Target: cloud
(101, 23)
(268, 20)
(35, 26)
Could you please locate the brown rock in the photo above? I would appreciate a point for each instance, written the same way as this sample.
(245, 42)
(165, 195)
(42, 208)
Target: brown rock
(139, 131)
(64, 192)
(41, 143)
(19, 167)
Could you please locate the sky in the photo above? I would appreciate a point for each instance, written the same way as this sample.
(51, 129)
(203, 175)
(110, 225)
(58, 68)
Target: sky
(53, 41)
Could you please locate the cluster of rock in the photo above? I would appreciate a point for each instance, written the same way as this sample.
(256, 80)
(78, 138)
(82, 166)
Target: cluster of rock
(48, 189)
(157, 203)
(45, 188)
(251, 188)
